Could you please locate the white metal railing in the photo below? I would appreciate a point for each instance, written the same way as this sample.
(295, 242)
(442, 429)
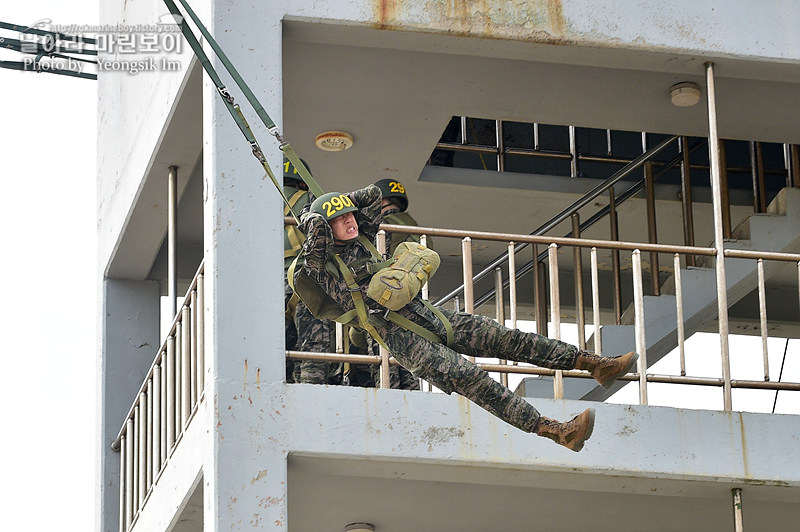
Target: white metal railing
(164, 406)
(551, 297)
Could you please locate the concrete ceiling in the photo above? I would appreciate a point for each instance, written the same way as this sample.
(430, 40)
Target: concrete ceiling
(325, 494)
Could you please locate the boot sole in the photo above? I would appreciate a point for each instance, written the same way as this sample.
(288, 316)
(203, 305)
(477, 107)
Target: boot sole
(611, 380)
(588, 431)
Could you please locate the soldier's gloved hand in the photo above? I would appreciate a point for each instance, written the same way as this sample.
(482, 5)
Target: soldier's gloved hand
(311, 221)
(364, 196)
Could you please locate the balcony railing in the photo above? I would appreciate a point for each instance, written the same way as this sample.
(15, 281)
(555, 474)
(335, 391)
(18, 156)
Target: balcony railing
(548, 295)
(164, 406)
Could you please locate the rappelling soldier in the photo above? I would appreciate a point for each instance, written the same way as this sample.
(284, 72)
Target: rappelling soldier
(343, 277)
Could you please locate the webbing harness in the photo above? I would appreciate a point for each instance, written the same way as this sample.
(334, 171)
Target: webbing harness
(362, 315)
(233, 107)
(295, 236)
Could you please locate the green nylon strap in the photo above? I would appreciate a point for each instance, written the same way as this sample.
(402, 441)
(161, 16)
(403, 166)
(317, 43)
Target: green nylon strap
(358, 301)
(19, 65)
(36, 31)
(313, 186)
(448, 327)
(409, 325)
(369, 246)
(234, 109)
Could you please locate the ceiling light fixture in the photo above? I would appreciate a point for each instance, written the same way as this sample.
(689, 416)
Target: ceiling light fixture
(684, 94)
(359, 527)
(334, 141)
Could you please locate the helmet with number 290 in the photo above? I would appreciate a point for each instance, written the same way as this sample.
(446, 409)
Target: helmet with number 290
(333, 205)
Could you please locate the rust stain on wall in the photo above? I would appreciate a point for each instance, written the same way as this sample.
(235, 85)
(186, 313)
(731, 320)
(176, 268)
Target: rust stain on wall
(556, 16)
(386, 11)
(527, 20)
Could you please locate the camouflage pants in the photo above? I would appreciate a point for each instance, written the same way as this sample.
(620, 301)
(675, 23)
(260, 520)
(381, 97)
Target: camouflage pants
(483, 337)
(316, 336)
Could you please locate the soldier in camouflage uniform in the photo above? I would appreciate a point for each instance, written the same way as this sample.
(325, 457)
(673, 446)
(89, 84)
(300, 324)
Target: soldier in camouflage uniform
(332, 228)
(303, 331)
(394, 204)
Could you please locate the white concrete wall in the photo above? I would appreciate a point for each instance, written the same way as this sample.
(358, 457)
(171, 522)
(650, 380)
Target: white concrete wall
(127, 344)
(250, 434)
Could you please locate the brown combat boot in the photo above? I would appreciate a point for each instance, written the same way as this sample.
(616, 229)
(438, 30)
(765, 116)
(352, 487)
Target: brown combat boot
(606, 370)
(571, 434)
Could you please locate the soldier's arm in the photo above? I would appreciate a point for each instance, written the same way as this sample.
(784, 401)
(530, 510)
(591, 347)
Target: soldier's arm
(316, 248)
(368, 202)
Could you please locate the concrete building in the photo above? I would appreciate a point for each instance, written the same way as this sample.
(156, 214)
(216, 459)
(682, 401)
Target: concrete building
(208, 435)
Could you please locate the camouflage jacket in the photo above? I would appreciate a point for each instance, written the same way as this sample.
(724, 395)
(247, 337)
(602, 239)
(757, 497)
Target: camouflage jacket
(319, 250)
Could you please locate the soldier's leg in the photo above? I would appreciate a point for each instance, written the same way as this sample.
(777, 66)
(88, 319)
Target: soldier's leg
(481, 336)
(316, 336)
(451, 372)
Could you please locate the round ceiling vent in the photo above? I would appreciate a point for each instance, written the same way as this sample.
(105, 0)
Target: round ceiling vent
(334, 141)
(684, 94)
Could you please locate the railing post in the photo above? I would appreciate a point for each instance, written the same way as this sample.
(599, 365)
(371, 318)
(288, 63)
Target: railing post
(123, 452)
(186, 385)
(722, 287)
(129, 483)
(170, 398)
(762, 315)
(738, 521)
(598, 339)
(380, 243)
(539, 300)
(679, 312)
(639, 333)
(580, 315)
(193, 351)
(141, 441)
(172, 239)
(555, 314)
(469, 296)
(157, 435)
(500, 313)
(178, 379)
(148, 448)
(512, 295)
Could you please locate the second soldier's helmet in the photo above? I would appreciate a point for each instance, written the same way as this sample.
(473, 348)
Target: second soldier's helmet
(392, 188)
(290, 174)
(332, 205)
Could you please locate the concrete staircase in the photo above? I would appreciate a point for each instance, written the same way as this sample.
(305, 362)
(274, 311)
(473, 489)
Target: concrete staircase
(777, 230)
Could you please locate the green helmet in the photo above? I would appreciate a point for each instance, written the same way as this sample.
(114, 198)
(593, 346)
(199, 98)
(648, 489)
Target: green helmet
(392, 188)
(332, 205)
(290, 173)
